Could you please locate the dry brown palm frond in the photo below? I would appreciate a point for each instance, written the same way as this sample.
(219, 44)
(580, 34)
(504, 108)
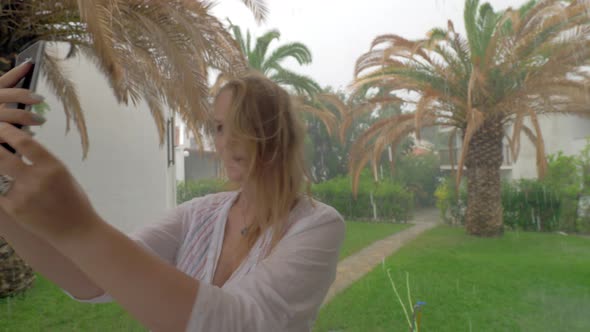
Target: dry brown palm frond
(318, 110)
(540, 145)
(155, 106)
(533, 139)
(65, 91)
(475, 119)
(348, 119)
(99, 18)
(356, 175)
(376, 58)
(219, 82)
(451, 145)
(140, 44)
(531, 21)
(385, 136)
(515, 140)
(423, 109)
(379, 126)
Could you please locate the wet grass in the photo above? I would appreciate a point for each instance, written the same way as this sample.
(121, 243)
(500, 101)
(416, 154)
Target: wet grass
(361, 234)
(46, 308)
(520, 282)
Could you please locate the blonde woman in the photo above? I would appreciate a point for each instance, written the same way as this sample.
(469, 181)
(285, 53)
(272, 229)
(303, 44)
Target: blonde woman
(260, 258)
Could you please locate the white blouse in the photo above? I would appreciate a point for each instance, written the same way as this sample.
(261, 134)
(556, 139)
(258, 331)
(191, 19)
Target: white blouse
(279, 292)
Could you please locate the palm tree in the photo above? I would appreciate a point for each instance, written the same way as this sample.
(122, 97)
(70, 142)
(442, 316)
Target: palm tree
(307, 93)
(271, 65)
(156, 51)
(513, 66)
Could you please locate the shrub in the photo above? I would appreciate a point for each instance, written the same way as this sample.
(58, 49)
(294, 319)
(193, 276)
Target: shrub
(550, 204)
(420, 175)
(451, 206)
(391, 200)
(531, 205)
(186, 191)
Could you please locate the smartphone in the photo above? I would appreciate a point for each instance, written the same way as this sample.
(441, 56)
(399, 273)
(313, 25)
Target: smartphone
(34, 53)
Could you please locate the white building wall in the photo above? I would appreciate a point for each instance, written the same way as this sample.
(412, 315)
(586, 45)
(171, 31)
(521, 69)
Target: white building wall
(560, 133)
(126, 174)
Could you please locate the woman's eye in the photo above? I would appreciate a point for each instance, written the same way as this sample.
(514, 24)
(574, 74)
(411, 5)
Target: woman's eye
(219, 128)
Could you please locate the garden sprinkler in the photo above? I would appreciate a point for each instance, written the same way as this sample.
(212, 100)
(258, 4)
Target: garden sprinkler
(416, 316)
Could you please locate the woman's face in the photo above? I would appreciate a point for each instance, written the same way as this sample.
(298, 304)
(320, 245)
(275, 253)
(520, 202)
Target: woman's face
(233, 155)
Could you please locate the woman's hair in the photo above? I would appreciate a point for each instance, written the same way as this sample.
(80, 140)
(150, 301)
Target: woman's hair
(262, 119)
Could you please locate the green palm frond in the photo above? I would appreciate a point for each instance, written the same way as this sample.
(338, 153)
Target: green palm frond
(300, 83)
(297, 51)
(239, 37)
(271, 65)
(258, 54)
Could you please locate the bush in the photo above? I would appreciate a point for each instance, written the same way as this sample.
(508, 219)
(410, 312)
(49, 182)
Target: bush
(531, 205)
(186, 191)
(391, 200)
(550, 204)
(420, 175)
(451, 206)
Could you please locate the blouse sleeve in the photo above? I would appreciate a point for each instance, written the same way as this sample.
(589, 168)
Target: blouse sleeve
(162, 239)
(284, 291)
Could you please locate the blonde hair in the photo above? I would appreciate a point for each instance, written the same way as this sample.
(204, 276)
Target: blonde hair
(263, 120)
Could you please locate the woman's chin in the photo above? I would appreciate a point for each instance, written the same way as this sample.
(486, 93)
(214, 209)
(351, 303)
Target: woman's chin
(234, 177)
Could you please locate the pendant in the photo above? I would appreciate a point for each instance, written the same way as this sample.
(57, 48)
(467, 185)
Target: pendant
(244, 231)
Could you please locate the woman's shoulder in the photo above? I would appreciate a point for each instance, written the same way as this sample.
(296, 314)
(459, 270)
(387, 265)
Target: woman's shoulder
(311, 213)
(203, 206)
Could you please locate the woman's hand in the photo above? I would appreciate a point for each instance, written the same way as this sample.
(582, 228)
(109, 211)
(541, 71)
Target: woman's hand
(43, 197)
(12, 95)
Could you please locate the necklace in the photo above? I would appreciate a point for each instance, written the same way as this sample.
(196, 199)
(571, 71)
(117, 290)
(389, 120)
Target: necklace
(244, 230)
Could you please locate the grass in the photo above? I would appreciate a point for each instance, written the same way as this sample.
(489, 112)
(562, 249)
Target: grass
(46, 308)
(362, 234)
(520, 282)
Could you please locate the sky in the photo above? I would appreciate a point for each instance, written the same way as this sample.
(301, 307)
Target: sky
(339, 31)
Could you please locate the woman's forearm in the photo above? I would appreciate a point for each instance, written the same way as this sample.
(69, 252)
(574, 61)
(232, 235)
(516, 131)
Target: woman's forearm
(156, 293)
(45, 259)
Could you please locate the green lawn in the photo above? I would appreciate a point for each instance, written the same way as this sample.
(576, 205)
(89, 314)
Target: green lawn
(46, 308)
(520, 282)
(361, 234)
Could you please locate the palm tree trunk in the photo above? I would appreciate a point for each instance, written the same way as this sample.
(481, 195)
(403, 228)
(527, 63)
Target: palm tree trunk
(484, 159)
(15, 275)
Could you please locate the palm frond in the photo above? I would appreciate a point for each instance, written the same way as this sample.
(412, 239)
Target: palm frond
(239, 37)
(65, 91)
(259, 8)
(475, 120)
(258, 54)
(300, 83)
(539, 144)
(296, 51)
(99, 19)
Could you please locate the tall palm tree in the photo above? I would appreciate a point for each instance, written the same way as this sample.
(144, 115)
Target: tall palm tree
(271, 64)
(156, 51)
(512, 67)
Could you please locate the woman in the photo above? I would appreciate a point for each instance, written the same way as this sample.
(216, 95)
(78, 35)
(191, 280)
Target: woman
(260, 258)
